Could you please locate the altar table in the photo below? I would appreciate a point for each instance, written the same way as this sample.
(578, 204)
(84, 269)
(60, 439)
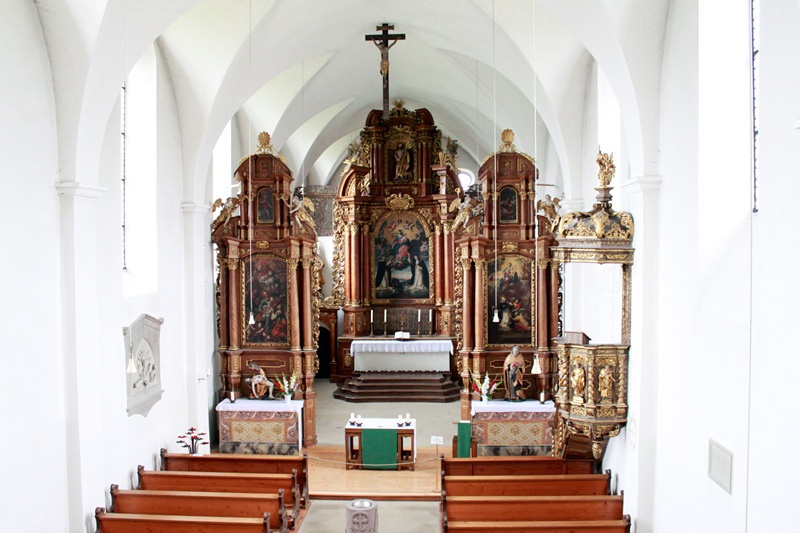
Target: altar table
(513, 428)
(387, 449)
(260, 426)
(401, 356)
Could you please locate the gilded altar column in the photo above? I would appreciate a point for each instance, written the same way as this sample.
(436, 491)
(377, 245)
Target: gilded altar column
(626, 304)
(542, 329)
(295, 323)
(555, 283)
(449, 266)
(309, 356)
(235, 306)
(480, 305)
(468, 312)
(438, 256)
(355, 250)
(348, 286)
(366, 284)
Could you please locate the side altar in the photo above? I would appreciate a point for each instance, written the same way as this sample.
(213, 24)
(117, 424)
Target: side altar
(513, 428)
(259, 426)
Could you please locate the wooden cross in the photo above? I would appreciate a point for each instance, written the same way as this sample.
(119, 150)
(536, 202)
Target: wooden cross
(382, 42)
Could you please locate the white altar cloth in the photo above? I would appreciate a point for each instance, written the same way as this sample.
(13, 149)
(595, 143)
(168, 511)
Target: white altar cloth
(502, 406)
(391, 355)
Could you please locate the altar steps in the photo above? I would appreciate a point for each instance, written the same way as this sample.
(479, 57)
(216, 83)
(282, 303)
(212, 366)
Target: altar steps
(437, 387)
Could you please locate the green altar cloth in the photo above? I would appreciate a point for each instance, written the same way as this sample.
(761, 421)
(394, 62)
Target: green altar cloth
(379, 449)
(464, 438)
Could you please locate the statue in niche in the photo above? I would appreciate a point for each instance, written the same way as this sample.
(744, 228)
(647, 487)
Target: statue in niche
(259, 383)
(605, 382)
(402, 159)
(578, 381)
(514, 368)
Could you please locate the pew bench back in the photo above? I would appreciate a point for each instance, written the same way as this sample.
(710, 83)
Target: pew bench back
(139, 523)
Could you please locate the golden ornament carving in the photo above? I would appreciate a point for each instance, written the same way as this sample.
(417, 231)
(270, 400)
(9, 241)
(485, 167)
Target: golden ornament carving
(607, 168)
(262, 245)
(400, 202)
(348, 359)
(510, 246)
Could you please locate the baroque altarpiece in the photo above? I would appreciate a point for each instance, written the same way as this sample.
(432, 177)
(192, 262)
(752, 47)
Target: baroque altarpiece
(268, 284)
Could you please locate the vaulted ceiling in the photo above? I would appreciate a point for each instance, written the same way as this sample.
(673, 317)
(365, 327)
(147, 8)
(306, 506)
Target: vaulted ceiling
(303, 71)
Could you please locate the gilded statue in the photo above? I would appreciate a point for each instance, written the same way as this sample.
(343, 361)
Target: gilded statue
(605, 382)
(402, 159)
(514, 369)
(549, 207)
(468, 208)
(300, 208)
(607, 168)
(578, 381)
(259, 383)
(451, 153)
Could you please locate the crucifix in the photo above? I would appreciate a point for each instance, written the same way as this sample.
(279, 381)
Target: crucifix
(382, 42)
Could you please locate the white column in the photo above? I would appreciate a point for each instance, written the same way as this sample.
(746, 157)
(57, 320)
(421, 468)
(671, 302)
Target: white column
(199, 315)
(81, 359)
(638, 474)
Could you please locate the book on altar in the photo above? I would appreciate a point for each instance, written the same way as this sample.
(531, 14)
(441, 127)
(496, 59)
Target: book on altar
(402, 335)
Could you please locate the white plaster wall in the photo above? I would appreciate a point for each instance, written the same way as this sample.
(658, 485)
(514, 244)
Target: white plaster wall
(705, 268)
(772, 493)
(33, 416)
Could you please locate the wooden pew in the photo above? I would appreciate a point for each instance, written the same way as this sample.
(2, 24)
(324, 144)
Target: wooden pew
(225, 482)
(562, 526)
(253, 464)
(230, 504)
(140, 523)
(530, 508)
(546, 485)
(511, 466)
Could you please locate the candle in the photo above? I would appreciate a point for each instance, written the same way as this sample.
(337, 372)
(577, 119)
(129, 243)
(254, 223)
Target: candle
(384, 315)
(233, 397)
(371, 318)
(430, 316)
(359, 419)
(352, 416)
(408, 416)
(400, 417)
(419, 315)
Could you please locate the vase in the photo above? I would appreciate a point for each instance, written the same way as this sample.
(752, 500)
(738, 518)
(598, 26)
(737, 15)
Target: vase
(484, 398)
(287, 398)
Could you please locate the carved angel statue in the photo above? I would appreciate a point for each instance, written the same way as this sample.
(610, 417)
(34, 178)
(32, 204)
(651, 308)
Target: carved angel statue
(228, 207)
(259, 383)
(471, 206)
(607, 168)
(549, 207)
(353, 150)
(300, 208)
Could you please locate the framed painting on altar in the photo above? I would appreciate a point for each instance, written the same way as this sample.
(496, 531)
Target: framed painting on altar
(514, 286)
(401, 261)
(267, 298)
(508, 206)
(265, 202)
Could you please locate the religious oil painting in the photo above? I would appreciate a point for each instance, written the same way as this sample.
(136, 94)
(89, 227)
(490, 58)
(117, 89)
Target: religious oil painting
(513, 283)
(508, 206)
(401, 259)
(265, 296)
(266, 206)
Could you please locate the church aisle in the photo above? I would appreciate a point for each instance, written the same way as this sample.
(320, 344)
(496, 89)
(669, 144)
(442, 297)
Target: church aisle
(325, 516)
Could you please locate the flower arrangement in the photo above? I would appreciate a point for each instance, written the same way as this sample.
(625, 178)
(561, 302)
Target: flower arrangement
(486, 387)
(192, 440)
(287, 386)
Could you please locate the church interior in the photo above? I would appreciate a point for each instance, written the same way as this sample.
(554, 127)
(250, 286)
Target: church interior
(378, 207)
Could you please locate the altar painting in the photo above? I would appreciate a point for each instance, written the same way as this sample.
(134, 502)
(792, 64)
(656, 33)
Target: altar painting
(513, 283)
(266, 298)
(508, 205)
(401, 260)
(266, 206)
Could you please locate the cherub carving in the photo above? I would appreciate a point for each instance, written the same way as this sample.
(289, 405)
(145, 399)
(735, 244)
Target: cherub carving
(550, 207)
(229, 206)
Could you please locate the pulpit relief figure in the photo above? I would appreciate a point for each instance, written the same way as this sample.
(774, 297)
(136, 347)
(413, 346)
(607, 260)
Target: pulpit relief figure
(578, 382)
(514, 369)
(605, 383)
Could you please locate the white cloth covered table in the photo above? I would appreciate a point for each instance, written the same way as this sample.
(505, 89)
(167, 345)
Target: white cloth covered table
(387, 423)
(394, 355)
